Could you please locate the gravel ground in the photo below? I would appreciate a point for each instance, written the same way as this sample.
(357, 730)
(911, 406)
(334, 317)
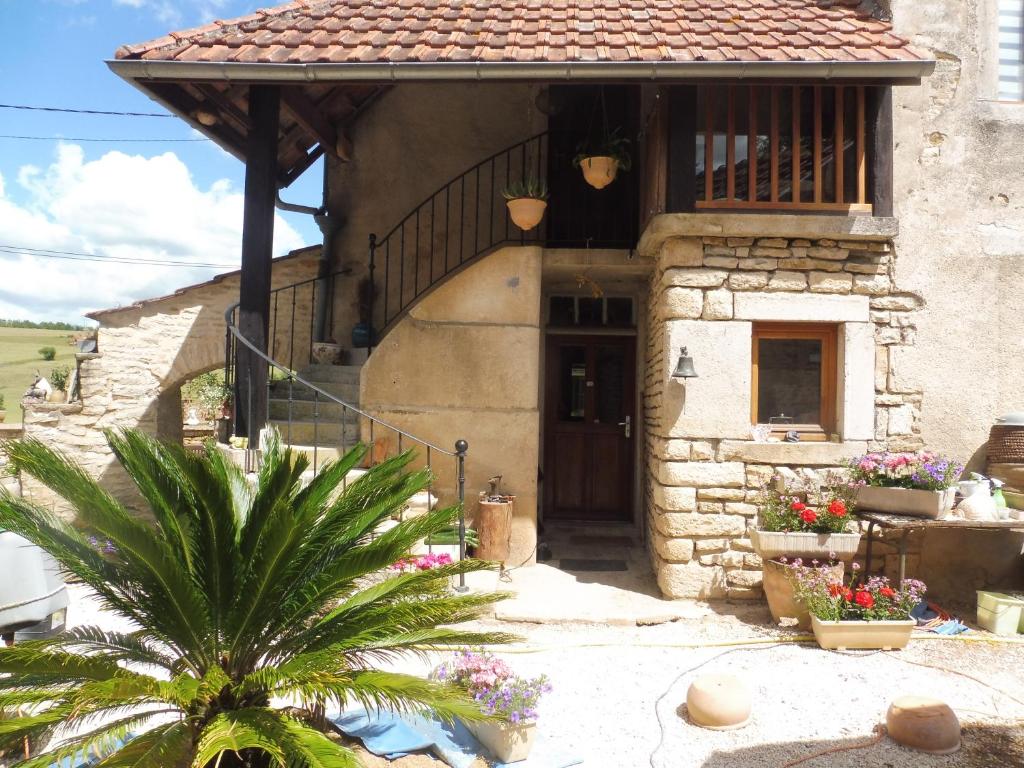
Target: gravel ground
(619, 694)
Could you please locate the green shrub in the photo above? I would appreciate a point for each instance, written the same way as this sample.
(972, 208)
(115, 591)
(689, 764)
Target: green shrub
(47, 353)
(59, 377)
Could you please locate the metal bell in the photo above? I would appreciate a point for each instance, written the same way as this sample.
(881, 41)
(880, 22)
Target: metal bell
(684, 368)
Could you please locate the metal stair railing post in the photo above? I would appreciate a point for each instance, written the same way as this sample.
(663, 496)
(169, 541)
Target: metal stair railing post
(461, 448)
(371, 294)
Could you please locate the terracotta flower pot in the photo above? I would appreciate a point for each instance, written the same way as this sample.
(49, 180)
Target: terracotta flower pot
(506, 742)
(719, 702)
(862, 635)
(780, 591)
(772, 544)
(526, 212)
(927, 725)
(3, 415)
(599, 172)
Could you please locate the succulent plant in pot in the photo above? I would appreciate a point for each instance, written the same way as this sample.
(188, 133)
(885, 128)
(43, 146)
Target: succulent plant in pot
(603, 158)
(526, 201)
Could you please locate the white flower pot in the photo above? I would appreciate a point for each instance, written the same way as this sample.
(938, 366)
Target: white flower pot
(842, 635)
(906, 501)
(772, 544)
(507, 743)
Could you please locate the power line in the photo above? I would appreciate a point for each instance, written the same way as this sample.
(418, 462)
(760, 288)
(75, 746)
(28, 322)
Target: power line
(79, 138)
(84, 111)
(14, 250)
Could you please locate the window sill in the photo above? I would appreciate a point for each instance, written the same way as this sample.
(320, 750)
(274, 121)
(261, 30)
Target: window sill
(796, 454)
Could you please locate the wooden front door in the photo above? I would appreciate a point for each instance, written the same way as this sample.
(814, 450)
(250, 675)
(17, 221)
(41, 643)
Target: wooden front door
(589, 434)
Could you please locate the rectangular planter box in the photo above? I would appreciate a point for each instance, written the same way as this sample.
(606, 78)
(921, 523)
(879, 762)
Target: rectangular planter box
(506, 742)
(843, 635)
(772, 544)
(906, 501)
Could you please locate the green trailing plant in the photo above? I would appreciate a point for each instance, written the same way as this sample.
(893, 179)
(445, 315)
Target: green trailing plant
(450, 536)
(530, 187)
(47, 353)
(209, 392)
(243, 594)
(610, 144)
(1, 401)
(59, 377)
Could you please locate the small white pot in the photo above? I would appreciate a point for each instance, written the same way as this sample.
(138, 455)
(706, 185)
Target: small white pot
(506, 742)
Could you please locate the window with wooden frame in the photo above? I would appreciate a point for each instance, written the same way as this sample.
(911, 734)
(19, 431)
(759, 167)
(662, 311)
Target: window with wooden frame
(794, 379)
(782, 147)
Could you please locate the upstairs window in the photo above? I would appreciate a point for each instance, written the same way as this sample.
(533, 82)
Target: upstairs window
(794, 378)
(1011, 50)
(776, 147)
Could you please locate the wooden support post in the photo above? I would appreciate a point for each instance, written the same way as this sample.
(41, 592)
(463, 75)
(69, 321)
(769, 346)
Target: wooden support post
(880, 150)
(682, 149)
(257, 251)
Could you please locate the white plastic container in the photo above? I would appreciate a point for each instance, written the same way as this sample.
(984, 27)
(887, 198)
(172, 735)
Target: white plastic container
(32, 588)
(1000, 613)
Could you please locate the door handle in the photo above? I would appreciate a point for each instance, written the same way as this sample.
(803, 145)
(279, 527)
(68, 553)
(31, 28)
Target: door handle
(628, 424)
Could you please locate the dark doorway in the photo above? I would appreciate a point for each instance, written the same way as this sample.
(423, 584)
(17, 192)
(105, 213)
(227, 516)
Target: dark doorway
(581, 216)
(590, 399)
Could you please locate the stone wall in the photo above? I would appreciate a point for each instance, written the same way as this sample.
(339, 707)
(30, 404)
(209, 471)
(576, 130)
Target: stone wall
(704, 472)
(146, 352)
(464, 364)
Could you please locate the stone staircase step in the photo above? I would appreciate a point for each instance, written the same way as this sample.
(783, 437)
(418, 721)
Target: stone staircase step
(302, 410)
(340, 374)
(327, 433)
(349, 393)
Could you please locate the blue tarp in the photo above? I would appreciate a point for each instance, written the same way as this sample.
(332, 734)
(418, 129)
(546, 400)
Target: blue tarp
(394, 736)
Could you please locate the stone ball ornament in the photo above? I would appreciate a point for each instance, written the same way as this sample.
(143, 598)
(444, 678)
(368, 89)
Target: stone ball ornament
(719, 702)
(923, 724)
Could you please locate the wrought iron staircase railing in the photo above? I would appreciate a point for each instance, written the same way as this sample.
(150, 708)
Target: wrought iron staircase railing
(463, 220)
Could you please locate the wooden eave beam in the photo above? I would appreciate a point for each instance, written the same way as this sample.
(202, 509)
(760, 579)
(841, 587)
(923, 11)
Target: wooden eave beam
(312, 120)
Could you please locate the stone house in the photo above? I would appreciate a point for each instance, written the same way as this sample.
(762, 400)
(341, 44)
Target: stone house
(825, 209)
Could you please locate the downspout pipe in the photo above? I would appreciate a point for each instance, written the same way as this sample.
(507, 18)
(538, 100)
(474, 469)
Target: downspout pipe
(326, 225)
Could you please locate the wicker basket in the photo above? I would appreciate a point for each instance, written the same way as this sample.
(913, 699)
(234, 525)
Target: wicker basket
(1006, 444)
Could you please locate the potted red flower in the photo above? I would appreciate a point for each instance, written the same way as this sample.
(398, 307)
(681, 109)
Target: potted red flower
(807, 521)
(872, 614)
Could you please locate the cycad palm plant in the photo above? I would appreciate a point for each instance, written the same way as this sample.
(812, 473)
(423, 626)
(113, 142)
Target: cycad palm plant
(250, 603)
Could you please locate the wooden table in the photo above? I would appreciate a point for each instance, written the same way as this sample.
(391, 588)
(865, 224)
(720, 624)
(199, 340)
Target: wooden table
(905, 524)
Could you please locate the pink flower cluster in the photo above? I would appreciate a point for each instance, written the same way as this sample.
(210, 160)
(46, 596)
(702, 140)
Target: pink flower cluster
(421, 562)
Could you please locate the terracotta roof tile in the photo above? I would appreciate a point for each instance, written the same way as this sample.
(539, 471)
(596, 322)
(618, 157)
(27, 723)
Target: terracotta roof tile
(379, 31)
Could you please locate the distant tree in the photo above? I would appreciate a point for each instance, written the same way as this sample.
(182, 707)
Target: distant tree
(47, 353)
(46, 325)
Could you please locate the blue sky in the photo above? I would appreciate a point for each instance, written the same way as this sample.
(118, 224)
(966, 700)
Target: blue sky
(172, 200)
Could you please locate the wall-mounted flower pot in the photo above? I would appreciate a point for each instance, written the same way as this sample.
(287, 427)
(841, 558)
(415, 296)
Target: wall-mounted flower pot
(780, 591)
(506, 742)
(772, 544)
(599, 172)
(906, 501)
(3, 415)
(526, 212)
(862, 635)
(363, 335)
(327, 353)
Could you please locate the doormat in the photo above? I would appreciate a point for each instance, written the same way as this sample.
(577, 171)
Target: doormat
(601, 541)
(581, 564)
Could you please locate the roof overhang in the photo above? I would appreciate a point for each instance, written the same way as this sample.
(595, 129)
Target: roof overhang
(323, 99)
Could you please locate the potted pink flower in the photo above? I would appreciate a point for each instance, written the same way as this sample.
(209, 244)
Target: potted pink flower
(920, 484)
(510, 701)
(871, 614)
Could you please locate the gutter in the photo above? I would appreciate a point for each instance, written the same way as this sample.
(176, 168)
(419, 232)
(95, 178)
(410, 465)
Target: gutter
(148, 69)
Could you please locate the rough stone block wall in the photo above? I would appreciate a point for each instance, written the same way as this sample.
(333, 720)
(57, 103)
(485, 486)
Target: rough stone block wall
(703, 478)
(146, 352)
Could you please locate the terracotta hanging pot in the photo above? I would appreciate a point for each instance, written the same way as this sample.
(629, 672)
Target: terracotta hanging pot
(526, 212)
(599, 172)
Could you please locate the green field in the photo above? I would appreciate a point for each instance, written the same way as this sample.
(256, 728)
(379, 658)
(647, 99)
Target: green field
(20, 359)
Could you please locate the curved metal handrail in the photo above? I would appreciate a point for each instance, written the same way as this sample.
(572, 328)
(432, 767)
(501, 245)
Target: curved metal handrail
(292, 376)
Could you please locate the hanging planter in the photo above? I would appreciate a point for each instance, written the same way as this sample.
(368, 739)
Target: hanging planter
(526, 201)
(602, 160)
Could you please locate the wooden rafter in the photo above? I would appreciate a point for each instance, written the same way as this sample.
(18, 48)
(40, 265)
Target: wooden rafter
(309, 116)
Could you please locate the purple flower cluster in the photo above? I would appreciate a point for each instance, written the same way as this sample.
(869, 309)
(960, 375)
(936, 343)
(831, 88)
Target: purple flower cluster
(493, 684)
(105, 547)
(922, 471)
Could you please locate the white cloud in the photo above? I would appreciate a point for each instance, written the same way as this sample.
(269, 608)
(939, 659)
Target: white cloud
(123, 206)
